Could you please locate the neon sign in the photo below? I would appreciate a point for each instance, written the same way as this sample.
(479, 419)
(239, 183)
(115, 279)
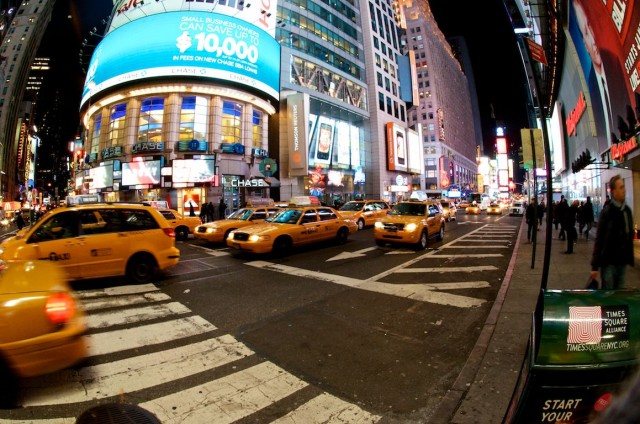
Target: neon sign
(576, 114)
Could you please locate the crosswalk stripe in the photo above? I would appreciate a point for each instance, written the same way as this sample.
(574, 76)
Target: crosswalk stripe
(136, 373)
(92, 304)
(326, 408)
(131, 316)
(145, 335)
(449, 269)
(493, 246)
(115, 291)
(227, 399)
(466, 255)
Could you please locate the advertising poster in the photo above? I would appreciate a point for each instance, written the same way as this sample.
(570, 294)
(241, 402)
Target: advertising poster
(297, 112)
(606, 41)
(141, 173)
(396, 147)
(193, 170)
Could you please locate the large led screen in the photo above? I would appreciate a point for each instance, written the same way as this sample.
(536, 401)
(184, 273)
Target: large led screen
(416, 156)
(141, 173)
(333, 142)
(101, 177)
(186, 44)
(396, 147)
(261, 13)
(193, 170)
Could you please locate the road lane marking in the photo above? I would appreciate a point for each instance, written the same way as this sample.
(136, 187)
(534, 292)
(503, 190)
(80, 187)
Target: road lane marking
(227, 399)
(449, 269)
(466, 255)
(419, 292)
(212, 252)
(131, 316)
(145, 335)
(495, 246)
(351, 255)
(92, 304)
(117, 291)
(460, 285)
(328, 409)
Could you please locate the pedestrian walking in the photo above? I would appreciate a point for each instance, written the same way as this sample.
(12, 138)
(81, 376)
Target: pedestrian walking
(570, 217)
(613, 248)
(541, 209)
(203, 212)
(587, 217)
(222, 207)
(20, 221)
(192, 212)
(531, 217)
(561, 209)
(210, 212)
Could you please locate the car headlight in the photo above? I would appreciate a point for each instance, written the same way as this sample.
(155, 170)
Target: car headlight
(378, 224)
(211, 230)
(256, 237)
(410, 227)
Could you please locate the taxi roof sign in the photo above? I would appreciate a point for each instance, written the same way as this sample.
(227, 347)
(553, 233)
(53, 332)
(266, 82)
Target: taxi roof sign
(304, 201)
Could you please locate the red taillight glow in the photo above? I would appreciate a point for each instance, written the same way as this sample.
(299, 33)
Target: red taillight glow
(169, 232)
(603, 402)
(60, 308)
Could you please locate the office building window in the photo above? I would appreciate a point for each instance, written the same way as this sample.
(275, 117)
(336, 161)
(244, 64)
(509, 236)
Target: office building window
(381, 101)
(151, 118)
(95, 133)
(231, 122)
(193, 118)
(256, 129)
(117, 116)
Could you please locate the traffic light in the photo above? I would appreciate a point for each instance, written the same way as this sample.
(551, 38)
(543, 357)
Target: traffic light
(582, 162)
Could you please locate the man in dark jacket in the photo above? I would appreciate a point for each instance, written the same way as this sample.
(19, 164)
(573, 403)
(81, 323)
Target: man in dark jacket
(531, 216)
(587, 216)
(561, 210)
(613, 249)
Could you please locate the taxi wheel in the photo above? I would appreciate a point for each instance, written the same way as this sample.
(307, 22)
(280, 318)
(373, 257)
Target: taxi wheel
(141, 268)
(423, 241)
(342, 236)
(360, 224)
(9, 387)
(182, 233)
(282, 246)
(440, 235)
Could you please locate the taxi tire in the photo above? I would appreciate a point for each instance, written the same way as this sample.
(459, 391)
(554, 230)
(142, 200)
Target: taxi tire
(342, 236)
(360, 224)
(440, 235)
(282, 246)
(141, 268)
(9, 387)
(423, 241)
(182, 233)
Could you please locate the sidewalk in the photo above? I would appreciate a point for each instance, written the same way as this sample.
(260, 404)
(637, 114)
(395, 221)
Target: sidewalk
(483, 389)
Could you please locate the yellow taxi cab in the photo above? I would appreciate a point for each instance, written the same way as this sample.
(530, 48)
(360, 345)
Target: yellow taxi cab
(365, 212)
(300, 224)
(218, 231)
(449, 210)
(41, 325)
(182, 225)
(464, 204)
(99, 240)
(494, 208)
(473, 209)
(411, 222)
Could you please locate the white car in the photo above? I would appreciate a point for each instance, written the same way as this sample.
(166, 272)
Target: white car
(517, 208)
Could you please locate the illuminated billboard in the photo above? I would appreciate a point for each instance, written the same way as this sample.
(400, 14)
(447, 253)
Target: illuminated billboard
(101, 177)
(396, 147)
(261, 14)
(416, 157)
(141, 172)
(206, 46)
(193, 170)
(333, 142)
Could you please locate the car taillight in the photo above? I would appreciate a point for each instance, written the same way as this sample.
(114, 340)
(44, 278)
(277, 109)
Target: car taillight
(170, 232)
(60, 308)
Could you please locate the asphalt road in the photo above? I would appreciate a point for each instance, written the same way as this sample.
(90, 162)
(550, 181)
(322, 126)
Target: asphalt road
(331, 333)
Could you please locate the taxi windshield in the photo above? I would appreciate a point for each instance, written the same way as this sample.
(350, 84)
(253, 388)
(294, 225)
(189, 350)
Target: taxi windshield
(411, 209)
(352, 206)
(288, 216)
(241, 214)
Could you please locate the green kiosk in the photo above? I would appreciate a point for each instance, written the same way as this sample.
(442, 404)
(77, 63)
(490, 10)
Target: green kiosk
(584, 345)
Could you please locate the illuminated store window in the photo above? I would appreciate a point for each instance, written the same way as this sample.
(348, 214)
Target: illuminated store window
(116, 125)
(193, 118)
(256, 129)
(95, 134)
(231, 122)
(150, 121)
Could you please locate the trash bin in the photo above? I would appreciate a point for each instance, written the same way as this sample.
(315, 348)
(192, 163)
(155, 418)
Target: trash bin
(583, 346)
